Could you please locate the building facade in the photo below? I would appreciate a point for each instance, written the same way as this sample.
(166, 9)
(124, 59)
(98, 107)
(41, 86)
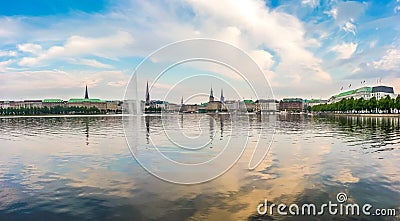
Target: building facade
(52, 103)
(266, 106)
(190, 108)
(365, 92)
(231, 105)
(291, 105)
(88, 103)
(247, 105)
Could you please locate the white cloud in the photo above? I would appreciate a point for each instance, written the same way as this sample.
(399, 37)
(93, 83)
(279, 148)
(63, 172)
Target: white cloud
(349, 27)
(90, 62)
(117, 83)
(4, 65)
(107, 47)
(141, 27)
(8, 53)
(30, 48)
(373, 43)
(356, 70)
(311, 3)
(346, 13)
(345, 50)
(61, 84)
(257, 25)
(262, 58)
(390, 61)
(333, 12)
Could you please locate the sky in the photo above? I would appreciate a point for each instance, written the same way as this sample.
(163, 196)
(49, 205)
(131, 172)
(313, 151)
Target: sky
(308, 48)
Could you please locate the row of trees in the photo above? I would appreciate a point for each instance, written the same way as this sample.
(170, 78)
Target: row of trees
(152, 109)
(385, 105)
(49, 110)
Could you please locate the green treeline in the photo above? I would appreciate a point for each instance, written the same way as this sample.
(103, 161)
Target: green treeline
(152, 109)
(384, 105)
(49, 110)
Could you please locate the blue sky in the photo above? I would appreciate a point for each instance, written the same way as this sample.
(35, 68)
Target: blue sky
(308, 48)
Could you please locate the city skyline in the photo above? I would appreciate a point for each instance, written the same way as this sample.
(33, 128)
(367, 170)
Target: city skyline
(308, 48)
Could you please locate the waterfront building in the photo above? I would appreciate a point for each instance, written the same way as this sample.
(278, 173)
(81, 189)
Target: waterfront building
(190, 108)
(267, 106)
(92, 102)
(171, 107)
(52, 103)
(4, 104)
(158, 104)
(17, 104)
(247, 105)
(112, 106)
(382, 91)
(87, 102)
(213, 105)
(291, 105)
(231, 105)
(32, 103)
(202, 108)
(365, 92)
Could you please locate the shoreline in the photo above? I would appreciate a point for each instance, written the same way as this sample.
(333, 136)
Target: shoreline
(61, 115)
(358, 115)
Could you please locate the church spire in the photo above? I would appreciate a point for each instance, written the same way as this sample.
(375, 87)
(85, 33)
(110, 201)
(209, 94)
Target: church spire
(222, 99)
(211, 95)
(86, 93)
(147, 94)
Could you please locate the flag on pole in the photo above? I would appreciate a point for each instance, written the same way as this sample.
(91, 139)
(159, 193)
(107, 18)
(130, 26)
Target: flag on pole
(341, 88)
(349, 85)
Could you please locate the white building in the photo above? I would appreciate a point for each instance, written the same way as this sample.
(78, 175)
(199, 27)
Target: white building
(267, 106)
(171, 107)
(231, 105)
(5, 104)
(365, 92)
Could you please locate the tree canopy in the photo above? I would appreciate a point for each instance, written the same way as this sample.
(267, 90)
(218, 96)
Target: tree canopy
(386, 105)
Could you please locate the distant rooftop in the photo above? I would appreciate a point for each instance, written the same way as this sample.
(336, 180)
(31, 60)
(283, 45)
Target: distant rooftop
(292, 100)
(91, 100)
(52, 101)
(375, 89)
(248, 101)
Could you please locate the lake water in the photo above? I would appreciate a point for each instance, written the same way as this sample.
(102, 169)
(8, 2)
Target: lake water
(80, 168)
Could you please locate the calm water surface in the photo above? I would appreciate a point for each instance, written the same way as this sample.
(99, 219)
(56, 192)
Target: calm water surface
(80, 168)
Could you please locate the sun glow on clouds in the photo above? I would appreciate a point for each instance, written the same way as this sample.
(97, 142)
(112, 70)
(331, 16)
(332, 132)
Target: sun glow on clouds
(298, 46)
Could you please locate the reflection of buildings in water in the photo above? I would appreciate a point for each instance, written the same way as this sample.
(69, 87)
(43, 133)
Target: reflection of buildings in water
(147, 120)
(212, 128)
(86, 120)
(258, 118)
(181, 123)
(222, 127)
(374, 132)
